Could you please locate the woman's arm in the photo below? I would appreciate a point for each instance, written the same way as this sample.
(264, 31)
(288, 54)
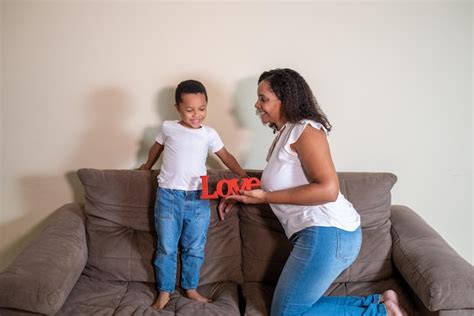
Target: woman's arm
(313, 151)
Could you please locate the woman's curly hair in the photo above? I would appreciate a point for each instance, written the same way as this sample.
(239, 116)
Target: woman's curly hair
(298, 101)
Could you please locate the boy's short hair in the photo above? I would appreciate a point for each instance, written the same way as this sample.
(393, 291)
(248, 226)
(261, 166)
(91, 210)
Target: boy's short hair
(189, 86)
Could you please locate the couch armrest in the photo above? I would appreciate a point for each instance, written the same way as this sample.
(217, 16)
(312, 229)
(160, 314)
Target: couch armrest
(437, 274)
(42, 276)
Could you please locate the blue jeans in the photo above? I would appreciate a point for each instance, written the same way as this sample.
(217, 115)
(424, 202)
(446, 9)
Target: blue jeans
(180, 217)
(319, 255)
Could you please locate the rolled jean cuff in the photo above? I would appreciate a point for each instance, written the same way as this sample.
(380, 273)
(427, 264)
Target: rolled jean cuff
(187, 286)
(161, 289)
(372, 299)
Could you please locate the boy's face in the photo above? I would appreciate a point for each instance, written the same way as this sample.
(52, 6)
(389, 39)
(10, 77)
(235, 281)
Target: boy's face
(193, 109)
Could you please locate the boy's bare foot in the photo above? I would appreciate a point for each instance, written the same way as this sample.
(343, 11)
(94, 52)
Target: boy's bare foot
(391, 295)
(194, 295)
(161, 301)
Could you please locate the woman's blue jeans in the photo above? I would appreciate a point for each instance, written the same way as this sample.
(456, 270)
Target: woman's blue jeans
(181, 217)
(319, 255)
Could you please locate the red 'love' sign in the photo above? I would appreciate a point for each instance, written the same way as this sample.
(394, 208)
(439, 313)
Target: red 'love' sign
(232, 187)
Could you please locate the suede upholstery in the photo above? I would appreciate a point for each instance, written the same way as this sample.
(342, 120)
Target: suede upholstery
(121, 233)
(97, 258)
(265, 247)
(42, 276)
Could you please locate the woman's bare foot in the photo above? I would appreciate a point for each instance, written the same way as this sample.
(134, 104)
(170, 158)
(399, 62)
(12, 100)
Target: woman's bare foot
(161, 301)
(392, 308)
(391, 295)
(194, 295)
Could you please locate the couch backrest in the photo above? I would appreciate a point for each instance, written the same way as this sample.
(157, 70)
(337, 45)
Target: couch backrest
(121, 237)
(120, 230)
(265, 247)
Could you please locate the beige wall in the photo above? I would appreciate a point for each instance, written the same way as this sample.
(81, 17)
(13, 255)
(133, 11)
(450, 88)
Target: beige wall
(85, 84)
(1, 127)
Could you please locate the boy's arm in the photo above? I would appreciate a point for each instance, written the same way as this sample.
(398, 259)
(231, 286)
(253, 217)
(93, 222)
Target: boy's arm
(229, 160)
(153, 154)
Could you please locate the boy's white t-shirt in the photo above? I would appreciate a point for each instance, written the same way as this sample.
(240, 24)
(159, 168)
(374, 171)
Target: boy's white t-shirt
(185, 154)
(284, 171)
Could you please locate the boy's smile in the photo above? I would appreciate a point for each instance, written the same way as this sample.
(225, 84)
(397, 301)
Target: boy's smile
(192, 109)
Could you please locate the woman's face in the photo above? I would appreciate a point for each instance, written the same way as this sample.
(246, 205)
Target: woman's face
(268, 105)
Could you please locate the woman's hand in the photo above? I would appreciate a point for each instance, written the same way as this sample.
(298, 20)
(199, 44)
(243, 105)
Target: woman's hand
(256, 196)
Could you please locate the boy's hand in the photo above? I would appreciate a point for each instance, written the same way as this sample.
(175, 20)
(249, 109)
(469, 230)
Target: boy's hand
(143, 167)
(224, 207)
(256, 196)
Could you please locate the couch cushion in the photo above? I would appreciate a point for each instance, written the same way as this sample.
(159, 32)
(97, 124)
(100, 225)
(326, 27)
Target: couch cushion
(44, 273)
(370, 194)
(92, 296)
(121, 236)
(258, 298)
(442, 279)
(265, 247)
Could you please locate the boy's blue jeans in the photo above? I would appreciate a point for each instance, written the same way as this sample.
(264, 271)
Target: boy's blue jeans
(180, 217)
(319, 255)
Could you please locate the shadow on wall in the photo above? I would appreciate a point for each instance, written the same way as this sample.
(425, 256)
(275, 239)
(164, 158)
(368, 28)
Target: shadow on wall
(37, 206)
(166, 111)
(164, 106)
(105, 142)
(30, 226)
(245, 113)
(221, 119)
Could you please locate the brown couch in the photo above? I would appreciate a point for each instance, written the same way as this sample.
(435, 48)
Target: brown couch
(97, 259)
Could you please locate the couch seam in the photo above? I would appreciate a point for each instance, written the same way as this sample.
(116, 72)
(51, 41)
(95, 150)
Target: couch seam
(240, 210)
(95, 201)
(272, 261)
(93, 305)
(121, 299)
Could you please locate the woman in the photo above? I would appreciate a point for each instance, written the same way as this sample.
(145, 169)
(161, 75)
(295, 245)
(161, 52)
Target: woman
(301, 185)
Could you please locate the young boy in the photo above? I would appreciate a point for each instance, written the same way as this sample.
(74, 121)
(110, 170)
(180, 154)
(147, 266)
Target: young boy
(180, 214)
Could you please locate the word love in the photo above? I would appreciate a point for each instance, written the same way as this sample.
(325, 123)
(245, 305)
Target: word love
(232, 187)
